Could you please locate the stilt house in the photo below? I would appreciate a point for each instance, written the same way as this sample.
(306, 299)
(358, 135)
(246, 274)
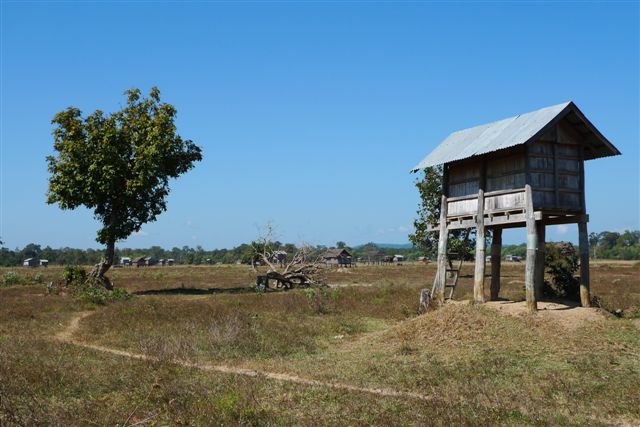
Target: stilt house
(337, 257)
(524, 171)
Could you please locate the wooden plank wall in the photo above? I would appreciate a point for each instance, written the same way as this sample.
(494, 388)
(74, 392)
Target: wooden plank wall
(556, 170)
(506, 172)
(553, 166)
(463, 207)
(464, 178)
(503, 172)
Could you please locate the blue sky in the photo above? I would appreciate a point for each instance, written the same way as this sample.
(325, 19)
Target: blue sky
(310, 115)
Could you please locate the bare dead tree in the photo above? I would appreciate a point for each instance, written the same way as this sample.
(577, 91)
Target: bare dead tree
(301, 269)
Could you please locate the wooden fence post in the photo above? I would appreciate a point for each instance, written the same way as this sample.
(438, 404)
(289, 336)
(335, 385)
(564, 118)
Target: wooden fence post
(438, 293)
(539, 279)
(478, 278)
(583, 242)
(532, 249)
(496, 255)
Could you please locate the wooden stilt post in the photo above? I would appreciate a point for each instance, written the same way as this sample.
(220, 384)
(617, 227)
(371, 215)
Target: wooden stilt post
(583, 242)
(532, 249)
(478, 280)
(438, 293)
(496, 255)
(539, 279)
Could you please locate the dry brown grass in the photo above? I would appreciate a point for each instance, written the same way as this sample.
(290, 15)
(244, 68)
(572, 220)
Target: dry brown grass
(483, 367)
(616, 283)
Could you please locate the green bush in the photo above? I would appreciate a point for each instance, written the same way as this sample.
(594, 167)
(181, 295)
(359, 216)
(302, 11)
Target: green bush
(11, 278)
(74, 275)
(39, 278)
(97, 295)
(561, 263)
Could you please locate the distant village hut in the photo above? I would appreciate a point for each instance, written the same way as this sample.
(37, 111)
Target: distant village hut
(44, 263)
(337, 257)
(125, 261)
(140, 261)
(30, 262)
(151, 261)
(279, 257)
(524, 171)
(170, 261)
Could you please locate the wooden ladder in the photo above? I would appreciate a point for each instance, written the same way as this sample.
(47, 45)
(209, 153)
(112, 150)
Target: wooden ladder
(452, 273)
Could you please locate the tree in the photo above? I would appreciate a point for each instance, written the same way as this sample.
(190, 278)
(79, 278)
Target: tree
(341, 245)
(31, 251)
(119, 165)
(608, 239)
(430, 189)
(370, 251)
(594, 239)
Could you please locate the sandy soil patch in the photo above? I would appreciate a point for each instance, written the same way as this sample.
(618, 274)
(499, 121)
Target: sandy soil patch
(565, 314)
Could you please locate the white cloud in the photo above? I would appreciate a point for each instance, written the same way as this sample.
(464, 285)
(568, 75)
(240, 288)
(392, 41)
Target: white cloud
(140, 233)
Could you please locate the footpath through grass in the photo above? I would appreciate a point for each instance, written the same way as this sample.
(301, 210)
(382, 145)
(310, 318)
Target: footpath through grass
(482, 367)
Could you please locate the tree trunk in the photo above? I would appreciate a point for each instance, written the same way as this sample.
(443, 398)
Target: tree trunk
(496, 255)
(97, 276)
(532, 251)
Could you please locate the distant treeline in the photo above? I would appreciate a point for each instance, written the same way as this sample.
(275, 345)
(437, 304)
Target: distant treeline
(604, 245)
(186, 255)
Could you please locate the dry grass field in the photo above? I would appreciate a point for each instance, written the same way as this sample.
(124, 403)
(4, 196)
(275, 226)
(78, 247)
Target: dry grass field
(197, 346)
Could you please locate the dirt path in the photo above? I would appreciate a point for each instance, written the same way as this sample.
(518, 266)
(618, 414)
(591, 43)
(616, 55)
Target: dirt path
(66, 335)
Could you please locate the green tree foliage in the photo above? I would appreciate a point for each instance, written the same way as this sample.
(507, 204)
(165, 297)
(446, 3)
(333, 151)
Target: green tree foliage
(430, 190)
(613, 245)
(561, 263)
(188, 255)
(119, 165)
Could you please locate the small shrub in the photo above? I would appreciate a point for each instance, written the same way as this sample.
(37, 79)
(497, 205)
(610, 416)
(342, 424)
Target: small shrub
(561, 262)
(158, 276)
(97, 295)
(383, 298)
(11, 278)
(39, 278)
(228, 402)
(74, 275)
(318, 299)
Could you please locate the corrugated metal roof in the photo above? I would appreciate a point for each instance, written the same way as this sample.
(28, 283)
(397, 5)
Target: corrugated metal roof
(507, 133)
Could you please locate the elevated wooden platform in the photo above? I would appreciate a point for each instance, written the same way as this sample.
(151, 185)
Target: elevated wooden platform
(498, 210)
(504, 209)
